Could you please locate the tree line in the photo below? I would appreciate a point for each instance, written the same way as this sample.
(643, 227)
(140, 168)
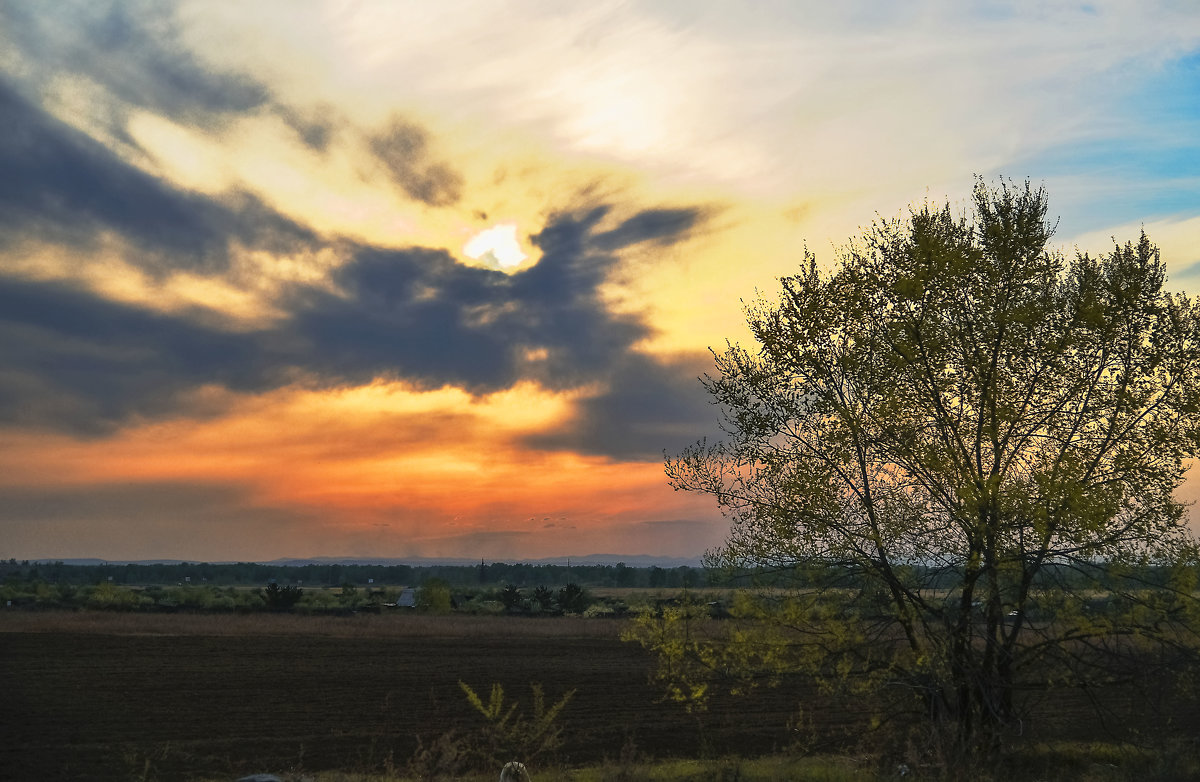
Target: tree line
(335, 575)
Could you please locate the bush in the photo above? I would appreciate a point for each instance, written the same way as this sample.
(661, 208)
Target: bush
(434, 596)
(282, 598)
(512, 598)
(573, 599)
(543, 598)
(508, 733)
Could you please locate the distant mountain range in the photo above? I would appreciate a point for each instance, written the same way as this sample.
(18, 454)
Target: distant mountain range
(632, 560)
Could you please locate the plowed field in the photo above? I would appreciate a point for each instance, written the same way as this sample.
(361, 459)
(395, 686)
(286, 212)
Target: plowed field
(105, 696)
(231, 695)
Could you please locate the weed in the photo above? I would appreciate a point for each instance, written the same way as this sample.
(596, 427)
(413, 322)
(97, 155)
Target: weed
(508, 733)
(447, 756)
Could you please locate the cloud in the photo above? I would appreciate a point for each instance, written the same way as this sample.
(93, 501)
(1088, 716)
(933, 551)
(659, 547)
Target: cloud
(61, 186)
(75, 361)
(88, 502)
(78, 362)
(828, 98)
(315, 127)
(402, 148)
(660, 226)
(421, 315)
(646, 406)
(134, 51)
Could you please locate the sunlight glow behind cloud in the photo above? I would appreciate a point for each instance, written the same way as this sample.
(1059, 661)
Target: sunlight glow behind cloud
(497, 246)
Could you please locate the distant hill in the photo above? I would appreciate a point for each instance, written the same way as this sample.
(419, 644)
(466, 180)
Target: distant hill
(632, 560)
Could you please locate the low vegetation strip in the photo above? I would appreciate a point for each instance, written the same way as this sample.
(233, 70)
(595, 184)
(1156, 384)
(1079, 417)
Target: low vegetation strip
(394, 625)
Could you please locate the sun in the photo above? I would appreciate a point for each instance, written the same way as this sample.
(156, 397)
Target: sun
(497, 246)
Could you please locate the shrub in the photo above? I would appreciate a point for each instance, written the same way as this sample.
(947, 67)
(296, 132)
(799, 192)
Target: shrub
(434, 596)
(508, 734)
(572, 599)
(282, 598)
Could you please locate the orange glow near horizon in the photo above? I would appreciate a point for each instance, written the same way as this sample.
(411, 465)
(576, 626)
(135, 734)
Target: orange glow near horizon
(410, 470)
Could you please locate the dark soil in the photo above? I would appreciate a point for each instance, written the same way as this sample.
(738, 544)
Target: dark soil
(95, 706)
(119, 697)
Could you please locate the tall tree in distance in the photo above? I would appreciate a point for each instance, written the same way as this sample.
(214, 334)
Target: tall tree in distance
(968, 448)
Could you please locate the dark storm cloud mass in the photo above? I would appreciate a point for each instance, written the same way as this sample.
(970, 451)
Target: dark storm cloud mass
(59, 185)
(134, 51)
(420, 315)
(75, 361)
(72, 360)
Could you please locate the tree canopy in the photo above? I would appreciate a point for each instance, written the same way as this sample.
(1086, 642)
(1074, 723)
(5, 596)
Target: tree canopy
(968, 447)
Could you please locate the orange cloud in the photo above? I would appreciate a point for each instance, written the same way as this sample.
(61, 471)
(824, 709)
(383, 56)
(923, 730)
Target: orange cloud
(388, 468)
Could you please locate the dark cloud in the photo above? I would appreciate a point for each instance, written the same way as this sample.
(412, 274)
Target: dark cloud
(134, 50)
(402, 147)
(315, 127)
(85, 503)
(59, 185)
(73, 361)
(420, 315)
(415, 314)
(661, 226)
(78, 362)
(648, 405)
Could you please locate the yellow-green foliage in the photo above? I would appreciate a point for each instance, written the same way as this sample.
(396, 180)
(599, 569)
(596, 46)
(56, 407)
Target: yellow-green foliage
(771, 634)
(969, 448)
(508, 733)
(684, 661)
(434, 597)
(106, 595)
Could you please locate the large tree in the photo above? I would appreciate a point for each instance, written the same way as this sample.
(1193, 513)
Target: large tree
(966, 448)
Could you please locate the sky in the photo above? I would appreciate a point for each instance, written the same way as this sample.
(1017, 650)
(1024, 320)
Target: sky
(402, 279)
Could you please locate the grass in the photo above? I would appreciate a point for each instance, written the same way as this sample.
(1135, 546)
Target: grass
(1051, 762)
(767, 769)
